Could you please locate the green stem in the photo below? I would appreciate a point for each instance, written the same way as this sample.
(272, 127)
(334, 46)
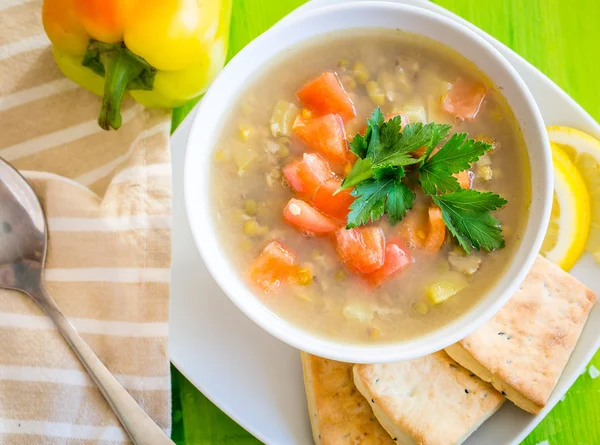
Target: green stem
(118, 73)
(122, 71)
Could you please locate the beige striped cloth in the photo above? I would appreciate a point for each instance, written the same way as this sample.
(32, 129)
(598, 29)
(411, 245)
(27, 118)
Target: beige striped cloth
(107, 197)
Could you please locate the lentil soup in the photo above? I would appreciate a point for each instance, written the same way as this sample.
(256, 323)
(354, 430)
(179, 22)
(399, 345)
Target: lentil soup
(284, 178)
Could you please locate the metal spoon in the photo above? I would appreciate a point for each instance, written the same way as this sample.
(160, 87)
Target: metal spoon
(23, 243)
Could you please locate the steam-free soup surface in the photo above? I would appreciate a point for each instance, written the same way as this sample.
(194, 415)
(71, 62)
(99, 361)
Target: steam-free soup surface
(328, 296)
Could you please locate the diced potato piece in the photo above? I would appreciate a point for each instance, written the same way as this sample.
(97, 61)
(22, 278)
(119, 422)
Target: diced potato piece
(442, 290)
(357, 313)
(244, 156)
(414, 113)
(467, 264)
(484, 172)
(282, 120)
(376, 93)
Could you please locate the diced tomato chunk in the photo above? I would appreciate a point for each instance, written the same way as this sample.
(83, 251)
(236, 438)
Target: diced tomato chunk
(325, 135)
(464, 99)
(337, 206)
(274, 266)
(308, 219)
(362, 249)
(326, 95)
(397, 258)
(464, 179)
(307, 174)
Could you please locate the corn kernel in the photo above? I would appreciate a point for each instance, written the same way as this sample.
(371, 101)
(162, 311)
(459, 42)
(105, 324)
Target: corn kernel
(250, 207)
(253, 228)
(283, 152)
(304, 276)
(245, 133)
(340, 275)
(306, 113)
(374, 332)
(421, 307)
(222, 156)
(361, 73)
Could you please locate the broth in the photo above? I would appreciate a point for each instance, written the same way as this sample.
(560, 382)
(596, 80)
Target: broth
(399, 73)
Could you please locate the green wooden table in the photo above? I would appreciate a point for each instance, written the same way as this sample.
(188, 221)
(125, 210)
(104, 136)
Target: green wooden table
(562, 39)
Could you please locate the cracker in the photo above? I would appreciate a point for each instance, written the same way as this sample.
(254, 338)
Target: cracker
(339, 414)
(429, 400)
(524, 348)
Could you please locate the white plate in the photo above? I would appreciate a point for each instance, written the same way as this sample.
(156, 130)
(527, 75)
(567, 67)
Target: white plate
(256, 379)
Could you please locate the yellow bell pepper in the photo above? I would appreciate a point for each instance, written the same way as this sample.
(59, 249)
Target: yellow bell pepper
(162, 52)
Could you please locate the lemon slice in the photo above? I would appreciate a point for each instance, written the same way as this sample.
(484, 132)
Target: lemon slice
(570, 220)
(584, 151)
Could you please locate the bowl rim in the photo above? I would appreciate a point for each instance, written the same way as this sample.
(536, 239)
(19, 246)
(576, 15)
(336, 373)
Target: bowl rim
(202, 221)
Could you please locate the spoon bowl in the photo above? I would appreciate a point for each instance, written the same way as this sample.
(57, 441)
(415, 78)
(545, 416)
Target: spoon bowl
(23, 246)
(23, 234)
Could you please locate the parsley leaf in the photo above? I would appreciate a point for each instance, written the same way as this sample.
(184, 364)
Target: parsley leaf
(385, 151)
(413, 137)
(358, 145)
(369, 204)
(400, 200)
(455, 156)
(376, 197)
(467, 215)
(386, 146)
(361, 171)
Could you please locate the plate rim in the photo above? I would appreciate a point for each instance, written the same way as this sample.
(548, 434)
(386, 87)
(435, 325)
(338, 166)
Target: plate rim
(592, 126)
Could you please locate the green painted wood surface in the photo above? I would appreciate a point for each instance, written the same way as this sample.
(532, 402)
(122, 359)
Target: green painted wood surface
(561, 38)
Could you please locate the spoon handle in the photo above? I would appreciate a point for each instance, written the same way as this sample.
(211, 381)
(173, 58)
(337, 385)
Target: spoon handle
(139, 426)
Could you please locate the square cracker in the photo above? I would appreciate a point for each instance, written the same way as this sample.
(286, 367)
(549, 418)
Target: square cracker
(339, 414)
(429, 400)
(524, 348)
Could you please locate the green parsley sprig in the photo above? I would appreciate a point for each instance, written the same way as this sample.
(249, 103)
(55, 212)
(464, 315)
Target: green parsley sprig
(379, 177)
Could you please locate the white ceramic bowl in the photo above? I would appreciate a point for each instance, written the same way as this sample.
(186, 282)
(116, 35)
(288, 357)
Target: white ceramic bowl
(223, 96)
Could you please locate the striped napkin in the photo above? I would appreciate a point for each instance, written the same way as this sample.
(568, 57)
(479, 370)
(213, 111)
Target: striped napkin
(107, 197)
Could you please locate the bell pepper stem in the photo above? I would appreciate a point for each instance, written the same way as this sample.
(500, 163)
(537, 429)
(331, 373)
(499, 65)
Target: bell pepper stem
(119, 71)
(122, 71)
